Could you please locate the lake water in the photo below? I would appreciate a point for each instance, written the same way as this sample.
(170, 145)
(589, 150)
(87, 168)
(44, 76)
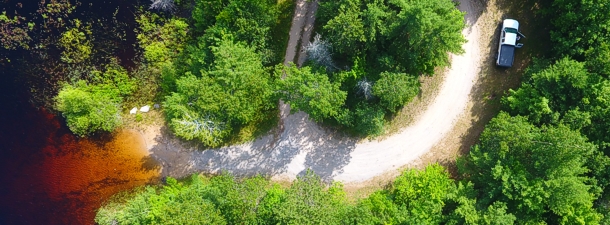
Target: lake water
(49, 176)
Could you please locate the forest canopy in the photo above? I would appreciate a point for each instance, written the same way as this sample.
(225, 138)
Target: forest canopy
(416, 197)
(375, 52)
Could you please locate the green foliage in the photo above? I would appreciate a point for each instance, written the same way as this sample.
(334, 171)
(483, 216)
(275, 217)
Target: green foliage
(237, 201)
(462, 205)
(250, 21)
(567, 93)
(346, 29)
(368, 120)
(234, 91)
(161, 39)
(583, 25)
(224, 200)
(310, 91)
(14, 32)
(174, 204)
(378, 208)
(537, 171)
(396, 36)
(369, 47)
(598, 59)
(395, 89)
(426, 196)
(551, 92)
(306, 202)
(422, 205)
(77, 47)
(423, 32)
(205, 12)
(217, 85)
(87, 110)
(91, 107)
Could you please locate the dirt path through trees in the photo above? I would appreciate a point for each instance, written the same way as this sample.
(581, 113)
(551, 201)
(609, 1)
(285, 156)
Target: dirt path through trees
(302, 144)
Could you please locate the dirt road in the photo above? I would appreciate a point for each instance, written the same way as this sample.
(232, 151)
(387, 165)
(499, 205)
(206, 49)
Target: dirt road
(302, 144)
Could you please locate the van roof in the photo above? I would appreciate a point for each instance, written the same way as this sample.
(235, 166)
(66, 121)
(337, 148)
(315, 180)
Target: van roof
(511, 23)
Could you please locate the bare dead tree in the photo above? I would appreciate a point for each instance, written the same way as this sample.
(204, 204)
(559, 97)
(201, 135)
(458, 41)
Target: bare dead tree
(196, 125)
(319, 52)
(365, 88)
(163, 5)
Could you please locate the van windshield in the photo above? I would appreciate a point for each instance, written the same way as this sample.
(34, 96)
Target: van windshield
(510, 30)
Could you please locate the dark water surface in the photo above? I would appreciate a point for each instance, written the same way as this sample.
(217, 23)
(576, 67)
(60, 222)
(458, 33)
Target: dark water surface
(49, 176)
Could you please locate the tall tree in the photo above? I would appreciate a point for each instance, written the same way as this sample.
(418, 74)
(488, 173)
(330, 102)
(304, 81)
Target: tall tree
(537, 172)
(310, 91)
(346, 29)
(423, 32)
(307, 202)
(395, 89)
(236, 90)
(582, 25)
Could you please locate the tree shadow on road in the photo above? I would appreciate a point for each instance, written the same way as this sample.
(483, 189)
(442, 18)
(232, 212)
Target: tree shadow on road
(301, 146)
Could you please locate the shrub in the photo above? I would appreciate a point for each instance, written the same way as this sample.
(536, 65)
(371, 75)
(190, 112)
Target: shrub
(95, 106)
(87, 110)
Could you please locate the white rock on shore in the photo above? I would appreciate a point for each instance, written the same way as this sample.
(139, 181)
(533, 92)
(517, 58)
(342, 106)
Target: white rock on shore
(145, 108)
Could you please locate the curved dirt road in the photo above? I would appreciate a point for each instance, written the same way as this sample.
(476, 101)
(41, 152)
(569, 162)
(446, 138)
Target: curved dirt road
(303, 144)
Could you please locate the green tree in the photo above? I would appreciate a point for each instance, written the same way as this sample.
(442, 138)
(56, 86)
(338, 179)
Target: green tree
(421, 194)
(161, 39)
(550, 93)
(462, 208)
(379, 42)
(346, 29)
(598, 59)
(306, 202)
(95, 106)
(236, 90)
(538, 172)
(75, 43)
(417, 197)
(14, 32)
(395, 89)
(87, 111)
(187, 207)
(237, 200)
(582, 26)
(205, 12)
(368, 119)
(310, 91)
(173, 204)
(567, 93)
(423, 32)
(378, 208)
(409, 36)
(249, 21)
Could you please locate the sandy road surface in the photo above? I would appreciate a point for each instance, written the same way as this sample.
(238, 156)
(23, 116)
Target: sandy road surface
(303, 144)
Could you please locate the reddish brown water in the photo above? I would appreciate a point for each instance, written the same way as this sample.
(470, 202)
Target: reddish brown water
(51, 177)
(48, 176)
